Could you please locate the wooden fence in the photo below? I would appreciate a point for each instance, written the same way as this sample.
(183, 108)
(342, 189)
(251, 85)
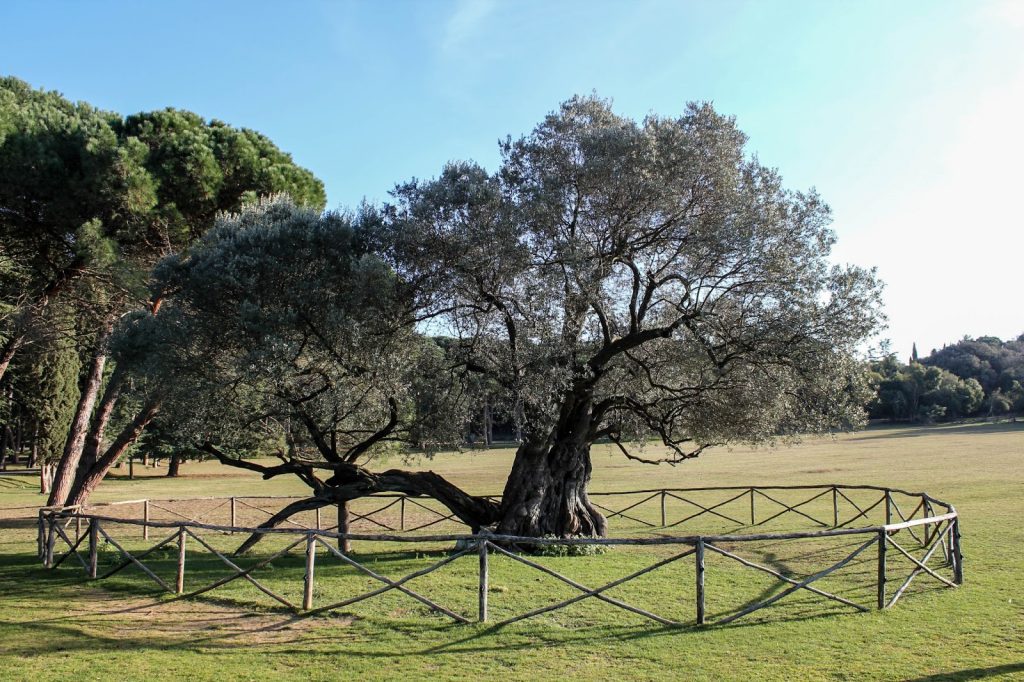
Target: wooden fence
(931, 527)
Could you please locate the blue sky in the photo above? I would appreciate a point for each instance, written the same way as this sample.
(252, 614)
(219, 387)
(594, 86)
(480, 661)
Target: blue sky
(908, 116)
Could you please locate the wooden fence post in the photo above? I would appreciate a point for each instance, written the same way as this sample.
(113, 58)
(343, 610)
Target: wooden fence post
(41, 536)
(94, 547)
(78, 526)
(882, 547)
(307, 593)
(752, 518)
(233, 512)
(835, 507)
(179, 582)
(958, 557)
(484, 585)
(145, 519)
(663, 508)
(888, 506)
(401, 508)
(927, 527)
(700, 580)
(51, 538)
(318, 524)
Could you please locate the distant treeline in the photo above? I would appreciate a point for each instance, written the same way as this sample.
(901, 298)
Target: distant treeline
(971, 378)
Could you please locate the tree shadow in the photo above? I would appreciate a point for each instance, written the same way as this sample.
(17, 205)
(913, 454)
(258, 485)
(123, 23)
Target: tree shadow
(18, 524)
(971, 673)
(898, 431)
(23, 577)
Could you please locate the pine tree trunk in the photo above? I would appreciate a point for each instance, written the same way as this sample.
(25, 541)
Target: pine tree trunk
(67, 469)
(174, 465)
(45, 477)
(7, 352)
(94, 440)
(4, 435)
(34, 456)
(124, 440)
(488, 425)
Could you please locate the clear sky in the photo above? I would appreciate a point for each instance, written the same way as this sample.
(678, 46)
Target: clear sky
(907, 116)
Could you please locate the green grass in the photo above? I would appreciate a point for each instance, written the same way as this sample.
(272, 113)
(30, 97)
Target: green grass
(55, 624)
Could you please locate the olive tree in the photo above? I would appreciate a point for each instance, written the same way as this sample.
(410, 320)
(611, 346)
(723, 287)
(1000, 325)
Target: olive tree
(624, 280)
(613, 280)
(282, 335)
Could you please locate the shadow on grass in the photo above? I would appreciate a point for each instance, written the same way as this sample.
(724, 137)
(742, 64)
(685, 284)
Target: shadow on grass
(971, 673)
(915, 431)
(18, 524)
(22, 579)
(496, 638)
(65, 634)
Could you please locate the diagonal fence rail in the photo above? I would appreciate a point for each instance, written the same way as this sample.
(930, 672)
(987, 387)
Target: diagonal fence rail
(929, 542)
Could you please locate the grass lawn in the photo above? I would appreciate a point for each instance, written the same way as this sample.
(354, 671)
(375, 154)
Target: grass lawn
(57, 625)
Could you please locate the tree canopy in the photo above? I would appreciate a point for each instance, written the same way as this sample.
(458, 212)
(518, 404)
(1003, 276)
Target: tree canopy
(612, 279)
(621, 279)
(916, 392)
(994, 363)
(283, 335)
(288, 327)
(84, 192)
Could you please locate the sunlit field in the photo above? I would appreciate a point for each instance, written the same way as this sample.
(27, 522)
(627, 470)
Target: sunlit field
(57, 624)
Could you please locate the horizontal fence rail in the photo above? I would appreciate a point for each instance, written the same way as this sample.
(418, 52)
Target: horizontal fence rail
(930, 543)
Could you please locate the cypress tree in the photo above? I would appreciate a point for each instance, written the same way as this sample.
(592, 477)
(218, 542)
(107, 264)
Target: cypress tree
(46, 385)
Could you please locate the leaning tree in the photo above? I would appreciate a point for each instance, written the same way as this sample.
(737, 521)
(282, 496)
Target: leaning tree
(625, 280)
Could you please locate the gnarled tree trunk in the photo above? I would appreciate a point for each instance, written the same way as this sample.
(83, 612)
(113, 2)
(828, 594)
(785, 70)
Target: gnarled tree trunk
(546, 493)
(351, 482)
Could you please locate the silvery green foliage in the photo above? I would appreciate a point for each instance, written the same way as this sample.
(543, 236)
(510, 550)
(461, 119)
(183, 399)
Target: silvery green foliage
(649, 270)
(281, 332)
